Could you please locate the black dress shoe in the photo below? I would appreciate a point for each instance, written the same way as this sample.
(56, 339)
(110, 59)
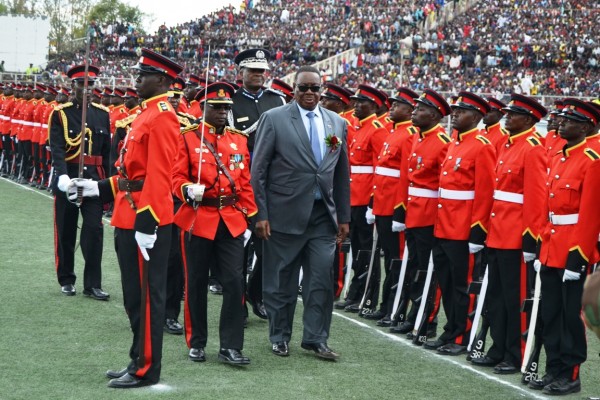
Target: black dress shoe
(385, 321)
(281, 349)
(353, 308)
(505, 368)
(197, 354)
(216, 288)
(403, 327)
(433, 344)
(452, 349)
(372, 314)
(96, 294)
(340, 305)
(562, 386)
(112, 374)
(321, 350)
(484, 361)
(258, 308)
(539, 384)
(68, 290)
(233, 356)
(128, 381)
(173, 327)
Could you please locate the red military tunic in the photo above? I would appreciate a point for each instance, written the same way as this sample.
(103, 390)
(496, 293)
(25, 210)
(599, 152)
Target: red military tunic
(593, 142)
(45, 119)
(570, 236)
(466, 188)
(391, 165)
(38, 113)
(7, 109)
(231, 146)
(363, 151)
(554, 143)
(194, 109)
(117, 113)
(497, 135)
(517, 219)
(417, 195)
(15, 118)
(150, 151)
(26, 118)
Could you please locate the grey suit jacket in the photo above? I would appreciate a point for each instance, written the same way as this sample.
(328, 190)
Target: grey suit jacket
(284, 170)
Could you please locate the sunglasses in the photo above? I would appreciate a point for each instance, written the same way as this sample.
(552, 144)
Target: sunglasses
(306, 88)
(220, 106)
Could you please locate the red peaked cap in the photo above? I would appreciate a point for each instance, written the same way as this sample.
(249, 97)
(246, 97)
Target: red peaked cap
(218, 93)
(580, 111)
(526, 105)
(405, 95)
(336, 92)
(366, 92)
(152, 62)
(118, 92)
(433, 99)
(470, 101)
(496, 104)
(97, 92)
(281, 86)
(131, 92)
(78, 72)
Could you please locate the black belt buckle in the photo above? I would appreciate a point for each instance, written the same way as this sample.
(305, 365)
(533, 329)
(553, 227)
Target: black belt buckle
(221, 202)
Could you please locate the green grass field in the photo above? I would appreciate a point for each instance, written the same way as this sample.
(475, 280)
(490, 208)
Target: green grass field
(57, 347)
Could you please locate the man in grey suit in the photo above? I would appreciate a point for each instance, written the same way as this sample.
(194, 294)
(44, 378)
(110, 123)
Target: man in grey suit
(301, 182)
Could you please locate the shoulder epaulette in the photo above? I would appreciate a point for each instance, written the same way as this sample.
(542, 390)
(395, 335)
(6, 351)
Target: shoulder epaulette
(444, 138)
(122, 123)
(100, 106)
(412, 130)
(186, 115)
(377, 124)
(184, 121)
(591, 154)
(189, 128)
(504, 131)
(163, 106)
(63, 106)
(534, 141)
(483, 139)
(236, 131)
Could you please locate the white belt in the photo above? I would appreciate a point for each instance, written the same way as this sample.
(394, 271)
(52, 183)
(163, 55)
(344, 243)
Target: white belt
(45, 126)
(16, 121)
(394, 173)
(432, 194)
(37, 124)
(28, 123)
(457, 194)
(361, 169)
(508, 197)
(567, 219)
(4, 118)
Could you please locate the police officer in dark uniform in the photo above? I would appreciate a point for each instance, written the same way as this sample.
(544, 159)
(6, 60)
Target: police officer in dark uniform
(249, 102)
(65, 143)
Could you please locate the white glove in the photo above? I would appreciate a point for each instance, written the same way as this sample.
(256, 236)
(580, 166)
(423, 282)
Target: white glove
(474, 248)
(196, 192)
(528, 256)
(145, 241)
(369, 216)
(89, 188)
(247, 235)
(398, 226)
(571, 276)
(63, 182)
(537, 264)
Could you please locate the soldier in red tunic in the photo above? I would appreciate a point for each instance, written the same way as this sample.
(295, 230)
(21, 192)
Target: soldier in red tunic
(493, 130)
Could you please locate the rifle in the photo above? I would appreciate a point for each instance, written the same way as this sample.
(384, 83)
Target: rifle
(83, 116)
(1, 161)
(422, 321)
(479, 288)
(399, 307)
(529, 367)
(370, 271)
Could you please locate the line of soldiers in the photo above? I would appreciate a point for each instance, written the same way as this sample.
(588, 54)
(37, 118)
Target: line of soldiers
(496, 202)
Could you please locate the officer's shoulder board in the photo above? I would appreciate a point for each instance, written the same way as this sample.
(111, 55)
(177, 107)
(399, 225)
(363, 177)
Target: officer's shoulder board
(443, 137)
(377, 124)
(122, 123)
(63, 106)
(236, 131)
(186, 115)
(504, 131)
(100, 106)
(189, 128)
(532, 140)
(163, 106)
(412, 130)
(183, 121)
(483, 139)
(592, 154)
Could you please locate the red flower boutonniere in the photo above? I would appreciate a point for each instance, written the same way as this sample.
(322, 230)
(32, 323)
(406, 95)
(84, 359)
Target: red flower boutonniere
(333, 142)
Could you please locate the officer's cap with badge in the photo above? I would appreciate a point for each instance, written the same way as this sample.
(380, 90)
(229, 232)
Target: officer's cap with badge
(580, 111)
(495, 104)
(218, 93)
(178, 86)
(559, 104)
(77, 73)
(431, 98)
(404, 95)
(526, 105)
(366, 92)
(470, 101)
(253, 59)
(153, 63)
(335, 92)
